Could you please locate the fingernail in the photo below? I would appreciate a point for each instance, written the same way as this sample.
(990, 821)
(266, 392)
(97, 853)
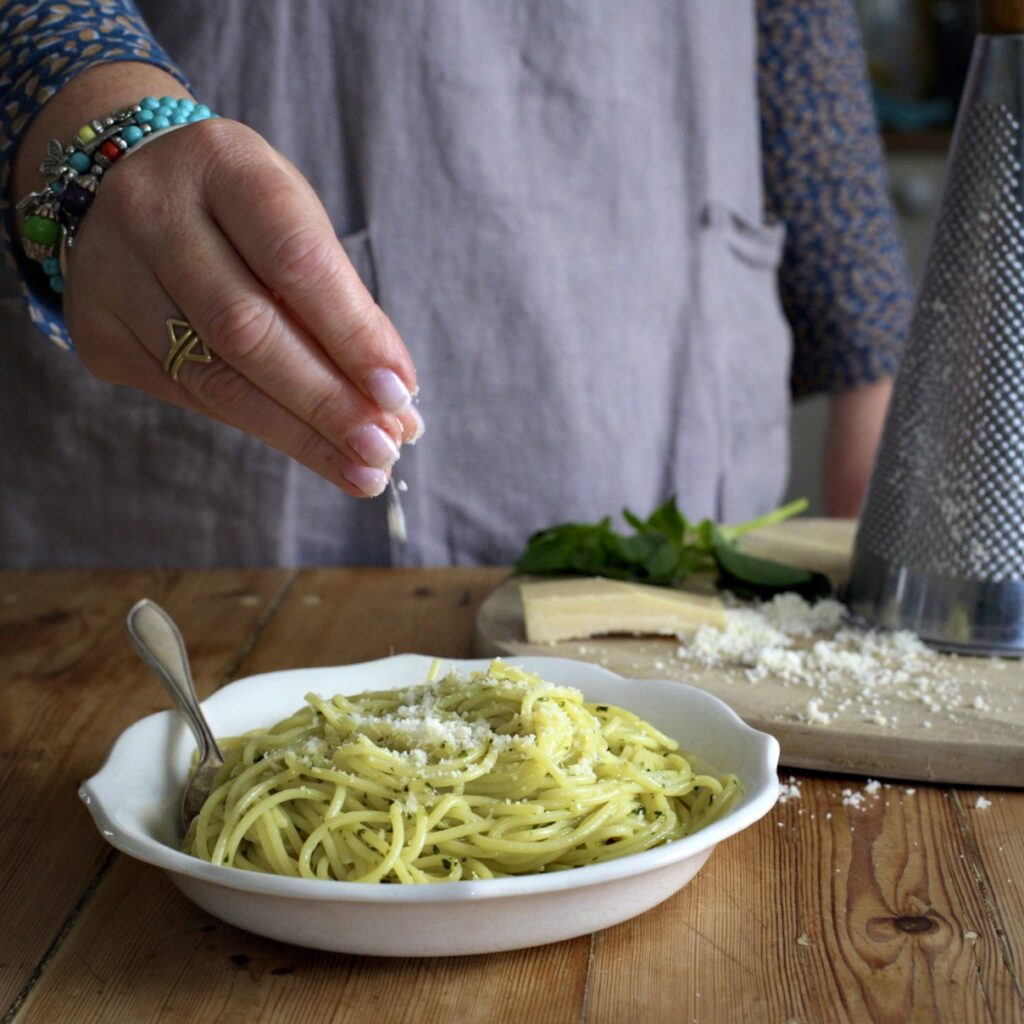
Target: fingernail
(388, 390)
(419, 427)
(370, 481)
(374, 445)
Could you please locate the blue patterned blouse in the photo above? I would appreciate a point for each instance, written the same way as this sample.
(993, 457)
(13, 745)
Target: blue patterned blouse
(844, 282)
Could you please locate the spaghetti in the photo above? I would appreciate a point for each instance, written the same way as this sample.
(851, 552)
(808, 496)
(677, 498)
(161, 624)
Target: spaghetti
(467, 777)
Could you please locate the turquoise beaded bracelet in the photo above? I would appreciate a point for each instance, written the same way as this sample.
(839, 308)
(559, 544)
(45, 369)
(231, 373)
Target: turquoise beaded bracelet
(54, 214)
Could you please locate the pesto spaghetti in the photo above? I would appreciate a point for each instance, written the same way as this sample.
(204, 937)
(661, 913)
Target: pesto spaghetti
(481, 776)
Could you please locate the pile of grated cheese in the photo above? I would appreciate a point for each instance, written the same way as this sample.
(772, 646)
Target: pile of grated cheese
(848, 670)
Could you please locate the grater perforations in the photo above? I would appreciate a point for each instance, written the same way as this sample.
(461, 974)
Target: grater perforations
(947, 494)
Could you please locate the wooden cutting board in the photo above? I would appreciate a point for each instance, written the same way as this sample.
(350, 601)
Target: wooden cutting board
(976, 737)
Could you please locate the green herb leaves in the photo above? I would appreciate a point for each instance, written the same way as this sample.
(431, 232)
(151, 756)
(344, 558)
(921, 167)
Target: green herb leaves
(665, 548)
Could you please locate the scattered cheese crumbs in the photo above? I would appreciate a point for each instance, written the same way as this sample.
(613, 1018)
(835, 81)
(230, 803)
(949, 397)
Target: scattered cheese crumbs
(970, 936)
(803, 939)
(789, 790)
(856, 674)
(981, 803)
(910, 791)
(856, 798)
(815, 716)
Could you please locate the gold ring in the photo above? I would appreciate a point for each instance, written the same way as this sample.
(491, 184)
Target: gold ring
(186, 347)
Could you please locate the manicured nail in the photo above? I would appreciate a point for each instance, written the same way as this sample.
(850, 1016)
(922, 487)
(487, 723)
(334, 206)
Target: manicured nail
(370, 481)
(374, 445)
(418, 427)
(388, 390)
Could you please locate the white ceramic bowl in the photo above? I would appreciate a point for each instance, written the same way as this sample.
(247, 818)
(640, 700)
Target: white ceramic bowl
(135, 798)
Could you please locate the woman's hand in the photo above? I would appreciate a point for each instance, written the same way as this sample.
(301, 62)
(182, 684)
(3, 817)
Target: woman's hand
(210, 225)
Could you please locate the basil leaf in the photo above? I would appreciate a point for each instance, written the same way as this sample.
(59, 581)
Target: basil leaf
(750, 576)
(570, 547)
(664, 549)
(668, 520)
(704, 536)
(635, 521)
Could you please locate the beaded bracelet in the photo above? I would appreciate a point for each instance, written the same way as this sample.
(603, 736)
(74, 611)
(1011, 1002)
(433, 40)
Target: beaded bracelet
(54, 214)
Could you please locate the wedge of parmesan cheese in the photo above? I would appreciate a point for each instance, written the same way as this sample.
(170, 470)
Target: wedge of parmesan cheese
(573, 609)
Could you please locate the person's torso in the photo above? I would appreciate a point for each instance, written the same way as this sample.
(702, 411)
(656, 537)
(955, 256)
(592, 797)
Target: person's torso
(559, 205)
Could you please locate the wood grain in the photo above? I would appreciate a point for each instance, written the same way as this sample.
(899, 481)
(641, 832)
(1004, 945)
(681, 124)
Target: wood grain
(328, 617)
(341, 616)
(71, 683)
(906, 908)
(858, 917)
(143, 953)
(990, 841)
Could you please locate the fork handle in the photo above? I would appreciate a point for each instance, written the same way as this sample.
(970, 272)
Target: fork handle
(160, 645)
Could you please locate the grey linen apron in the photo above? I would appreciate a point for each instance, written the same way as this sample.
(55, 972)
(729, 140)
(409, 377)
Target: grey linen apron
(558, 203)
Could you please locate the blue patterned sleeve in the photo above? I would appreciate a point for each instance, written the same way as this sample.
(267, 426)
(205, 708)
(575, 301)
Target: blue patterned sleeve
(43, 45)
(844, 281)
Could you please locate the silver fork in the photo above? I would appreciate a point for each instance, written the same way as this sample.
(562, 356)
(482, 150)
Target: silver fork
(159, 643)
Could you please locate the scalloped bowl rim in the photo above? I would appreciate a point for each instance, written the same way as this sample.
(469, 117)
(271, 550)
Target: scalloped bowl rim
(117, 803)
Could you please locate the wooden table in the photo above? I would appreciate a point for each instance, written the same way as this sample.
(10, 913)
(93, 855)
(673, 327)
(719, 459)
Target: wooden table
(907, 908)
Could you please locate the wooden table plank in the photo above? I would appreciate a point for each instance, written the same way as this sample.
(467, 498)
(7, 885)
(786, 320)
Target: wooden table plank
(870, 914)
(727, 948)
(864, 916)
(328, 617)
(994, 851)
(143, 953)
(71, 682)
(341, 616)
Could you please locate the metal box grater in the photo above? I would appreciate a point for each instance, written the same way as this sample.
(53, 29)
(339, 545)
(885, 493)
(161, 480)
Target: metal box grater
(940, 548)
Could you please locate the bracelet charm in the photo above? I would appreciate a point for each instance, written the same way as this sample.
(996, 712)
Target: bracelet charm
(54, 214)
